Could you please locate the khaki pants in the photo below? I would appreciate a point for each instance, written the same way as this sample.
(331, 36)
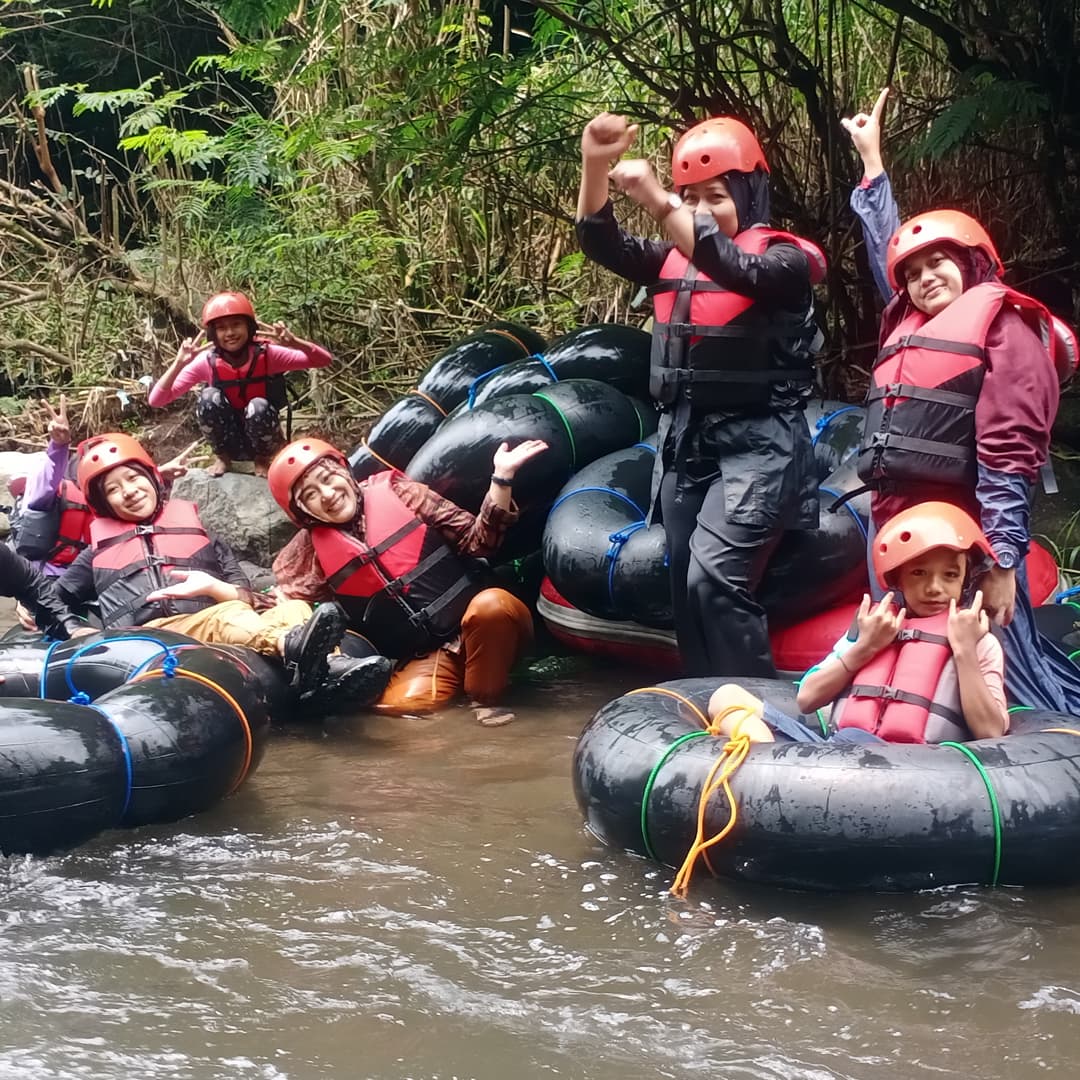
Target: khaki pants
(495, 629)
(237, 623)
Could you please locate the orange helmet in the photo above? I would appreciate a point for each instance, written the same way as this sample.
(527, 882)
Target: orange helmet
(930, 229)
(713, 147)
(223, 304)
(917, 530)
(291, 463)
(105, 452)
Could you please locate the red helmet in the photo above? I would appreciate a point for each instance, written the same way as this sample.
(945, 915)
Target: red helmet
(915, 531)
(930, 229)
(714, 147)
(291, 463)
(104, 452)
(223, 304)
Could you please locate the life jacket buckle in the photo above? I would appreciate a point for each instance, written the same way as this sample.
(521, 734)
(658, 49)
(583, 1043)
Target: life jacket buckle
(879, 438)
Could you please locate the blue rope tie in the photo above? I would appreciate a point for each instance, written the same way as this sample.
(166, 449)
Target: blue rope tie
(618, 539)
(644, 446)
(606, 490)
(129, 767)
(540, 358)
(168, 665)
(43, 684)
(1062, 597)
(474, 386)
(851, 510)
(824, 421)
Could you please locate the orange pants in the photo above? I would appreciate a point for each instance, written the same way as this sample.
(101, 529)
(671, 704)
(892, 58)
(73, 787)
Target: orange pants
(495, 629)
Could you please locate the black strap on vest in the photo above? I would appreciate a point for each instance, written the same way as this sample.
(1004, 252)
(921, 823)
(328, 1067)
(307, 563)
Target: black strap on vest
(682, 284)
(967, 402)
(149, 530)
(889, 693)
(917, 341)
(883, 440)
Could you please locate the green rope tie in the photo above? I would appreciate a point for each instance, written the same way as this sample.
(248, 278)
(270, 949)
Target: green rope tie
(652, 780)
(1021, 708)
(566, 424)
(1074, 654)
(994, 808)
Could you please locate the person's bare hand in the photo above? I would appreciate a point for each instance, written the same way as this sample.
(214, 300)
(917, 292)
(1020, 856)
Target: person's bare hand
(279, 333)
(26, 620)
(607, 137)
(967, 626)
(506, 462)
(59, 428)
(878, 625)
(189, 349)
(635, 177)
(178, 466)
(865, 131)
(188, 584)
(998, 587)
(83, 631)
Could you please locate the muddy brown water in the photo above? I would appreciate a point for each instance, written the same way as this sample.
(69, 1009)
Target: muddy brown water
(418, 899)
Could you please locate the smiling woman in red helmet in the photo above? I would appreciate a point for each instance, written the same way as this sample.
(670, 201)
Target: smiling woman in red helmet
(238, 409)
(732, 367)
(962, 398)
(404, 564)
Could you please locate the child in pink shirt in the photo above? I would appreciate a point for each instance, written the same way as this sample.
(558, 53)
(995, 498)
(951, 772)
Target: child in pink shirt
(240, 405)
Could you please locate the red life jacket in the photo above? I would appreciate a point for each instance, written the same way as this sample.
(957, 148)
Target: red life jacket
(909, 692)
(920, 419)
(131, 560)
(58, 534)
(250, 380)
(402, 585)
(717, 347)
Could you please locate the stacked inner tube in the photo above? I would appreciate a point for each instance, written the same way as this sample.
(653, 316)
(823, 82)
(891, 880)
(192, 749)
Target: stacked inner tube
(499, 360)
(581, 420)
(834, 815)
(604, 560)
(129, 729)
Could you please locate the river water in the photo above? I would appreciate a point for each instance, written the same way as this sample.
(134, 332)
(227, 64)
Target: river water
(418, 899)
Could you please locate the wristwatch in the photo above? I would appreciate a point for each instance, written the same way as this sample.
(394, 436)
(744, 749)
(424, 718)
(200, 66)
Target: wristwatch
(671, 202)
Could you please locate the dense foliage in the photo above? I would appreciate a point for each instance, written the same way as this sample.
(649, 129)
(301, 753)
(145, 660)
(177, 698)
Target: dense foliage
(384, 176)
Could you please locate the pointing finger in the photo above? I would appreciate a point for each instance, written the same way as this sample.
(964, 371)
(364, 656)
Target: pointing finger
(879, 105)
(977, 600)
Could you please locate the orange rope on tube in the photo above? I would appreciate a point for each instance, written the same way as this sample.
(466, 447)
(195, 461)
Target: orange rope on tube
(244, 724)
(516, 341)
(431, 401)
(731, 757)
(364, 443)
(678, 697)
(1061, 730)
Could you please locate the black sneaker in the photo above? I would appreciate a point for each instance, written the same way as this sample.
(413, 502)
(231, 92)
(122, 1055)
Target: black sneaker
(352, 683)
(307, 648)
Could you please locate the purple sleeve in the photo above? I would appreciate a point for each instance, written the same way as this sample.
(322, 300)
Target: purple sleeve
(198, 371)
(279, 358)
(42, 485)
(876, 209)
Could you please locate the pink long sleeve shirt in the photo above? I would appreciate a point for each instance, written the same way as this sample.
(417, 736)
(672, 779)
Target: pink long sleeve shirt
(279, 360)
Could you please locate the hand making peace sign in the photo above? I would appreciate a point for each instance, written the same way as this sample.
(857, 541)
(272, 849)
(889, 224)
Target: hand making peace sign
(59, 429)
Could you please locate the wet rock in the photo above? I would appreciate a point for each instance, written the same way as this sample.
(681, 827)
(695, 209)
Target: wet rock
(238, 509)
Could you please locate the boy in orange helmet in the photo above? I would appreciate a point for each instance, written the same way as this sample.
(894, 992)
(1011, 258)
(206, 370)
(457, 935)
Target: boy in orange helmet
(239, 408)
(734, 339)
(962, 398)
(929, 671)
